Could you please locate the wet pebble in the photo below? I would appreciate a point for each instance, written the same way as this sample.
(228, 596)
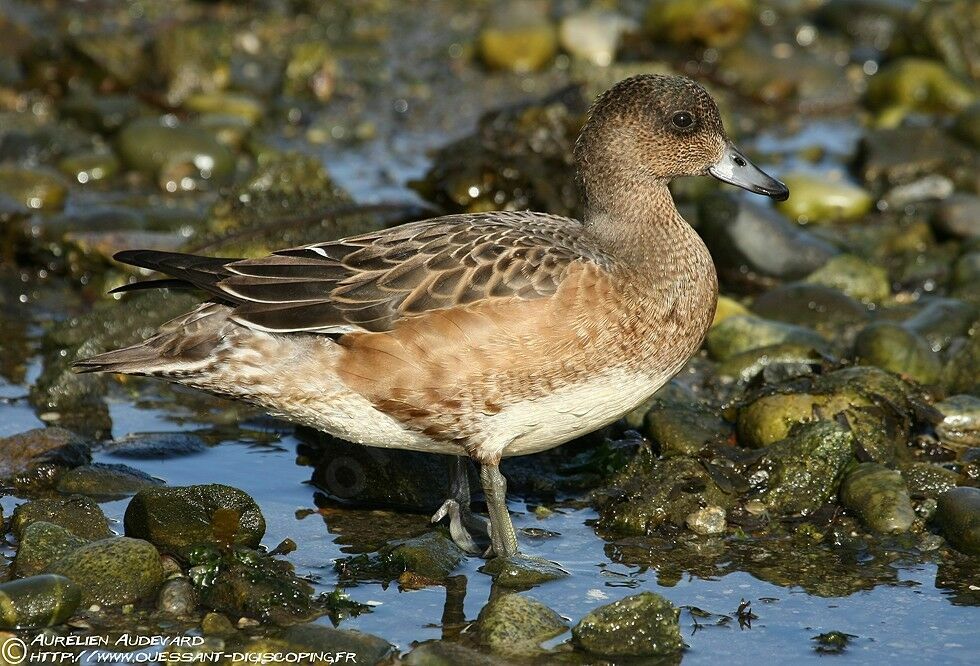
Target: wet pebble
(855, 277)
(642, 625)
(958, 515)
(880, 497)
(156, 445)
(785, 360)
(817, 198)
(927, 188)
(940, 320)
(593, 34)
(317, 638)
(36, 188)
(311, 71)
(967, 125)
(684, 429)
(42, 543)
(917, 84)
(515, 625)
(90, 166)
(104, 480)
(743, 333)
(36, 457)
(113, 571)
(177, 597)
(754, 245)
(518, 39)
(960, 426)
(713, 23)
(237, 105)
(828, 311)
(171, 153)
(890, 157)
(177, 517)
(707, 521)
(804, 471)
(522, 571)
(448, 653)
(78, 514)
(895, 348)
(431, 555)
(926, 480)
(727, 307)
(38, 601)
(959, 216)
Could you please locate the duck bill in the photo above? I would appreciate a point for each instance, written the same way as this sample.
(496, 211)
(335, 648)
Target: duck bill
(734, 168)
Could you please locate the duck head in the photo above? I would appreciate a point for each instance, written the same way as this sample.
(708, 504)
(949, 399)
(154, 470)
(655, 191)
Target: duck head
(648, 129)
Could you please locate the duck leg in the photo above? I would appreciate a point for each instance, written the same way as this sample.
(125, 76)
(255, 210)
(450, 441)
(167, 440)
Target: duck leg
(503, 539)
(457, 507)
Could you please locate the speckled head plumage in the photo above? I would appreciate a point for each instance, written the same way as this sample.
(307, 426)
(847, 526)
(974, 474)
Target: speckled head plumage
(650, 128)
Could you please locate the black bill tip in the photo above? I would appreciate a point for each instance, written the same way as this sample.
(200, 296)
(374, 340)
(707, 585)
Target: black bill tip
(734, 168)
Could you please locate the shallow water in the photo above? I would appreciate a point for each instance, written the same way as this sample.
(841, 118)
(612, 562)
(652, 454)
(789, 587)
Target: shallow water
(908, 621)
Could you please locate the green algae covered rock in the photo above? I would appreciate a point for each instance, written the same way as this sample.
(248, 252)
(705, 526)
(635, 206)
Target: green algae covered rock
(37, 601)
(643, 625)
(113, 571)
(516, 625)
(880, 497)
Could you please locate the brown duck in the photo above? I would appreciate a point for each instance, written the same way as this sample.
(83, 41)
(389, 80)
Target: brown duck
(485, 335)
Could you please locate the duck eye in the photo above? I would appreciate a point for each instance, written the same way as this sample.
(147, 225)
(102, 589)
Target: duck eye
(683, 119)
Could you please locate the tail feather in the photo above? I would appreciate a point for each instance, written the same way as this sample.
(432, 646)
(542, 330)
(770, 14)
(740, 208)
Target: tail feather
(185, 270)
(180, 346)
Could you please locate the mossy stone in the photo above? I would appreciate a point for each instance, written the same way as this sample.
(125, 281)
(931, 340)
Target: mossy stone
(37, 601)
(430, 555)
(174, 518)
(78, 514)
(42, 543)
(643, 625)
(958, 515)
(516, 625)
(880, 497)
(113, 571)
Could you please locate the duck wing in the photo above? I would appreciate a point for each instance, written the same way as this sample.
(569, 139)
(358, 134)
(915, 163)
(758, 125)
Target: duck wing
(371, 281)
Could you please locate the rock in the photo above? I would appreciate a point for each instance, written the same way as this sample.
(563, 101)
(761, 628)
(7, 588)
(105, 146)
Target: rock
(175, 518)
(927, 188)
(172, 153)
(518, 40)
(685, 429)
(713, 23)
(113, 571)
(895, 348)
(950, 29)
(37, 188)
(926, 480)
(941, 320)
(236, 105)
(90, 166)
(829, 312)
(593, 34)
(36, 602)
(727, 307)
(740, 334)
(42, 543)
(967, 125)
(966, 277)
(855, 277)
(961, 374)
(320, 639)
(643, 625)
(177, 597)
(890, 157)
(958, 516)
(522, 572)
(431, 555)
(754, 245)
(707, 521)
(879, 496)
(917, 84)
(960, 426)
(252, 584)
(77, 514)
(820, 199)
(804, 471)
(35, 458)
(448, 653)
(856, 394)
(105, 480)
(155, 445)
(648, 494)
(516, 625)
(784, 360)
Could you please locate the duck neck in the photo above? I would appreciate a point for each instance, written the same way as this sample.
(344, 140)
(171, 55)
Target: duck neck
(640, 227)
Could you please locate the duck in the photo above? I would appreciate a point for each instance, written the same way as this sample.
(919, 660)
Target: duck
(482, 335)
